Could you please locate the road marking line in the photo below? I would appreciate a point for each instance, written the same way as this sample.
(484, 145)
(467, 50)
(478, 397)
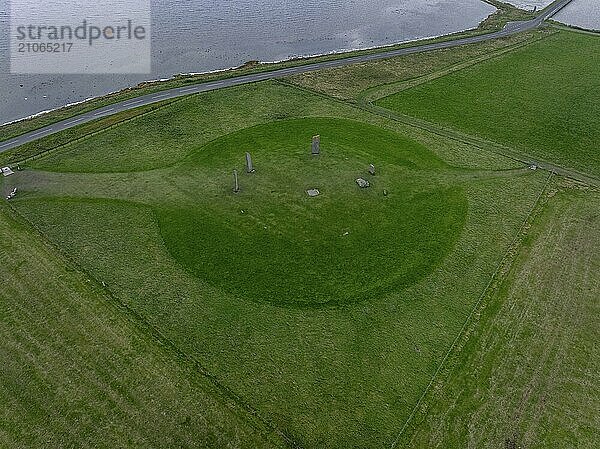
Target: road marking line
(133, 102)
(188, 89)
(38, 133)
(104, 111)
(4, 144)
(161, 96)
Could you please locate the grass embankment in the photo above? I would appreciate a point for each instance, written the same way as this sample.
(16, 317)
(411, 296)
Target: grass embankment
(337, 376)
(542, 100)
(506, 13)
(529, 375)
(352, 81)
(76, 372)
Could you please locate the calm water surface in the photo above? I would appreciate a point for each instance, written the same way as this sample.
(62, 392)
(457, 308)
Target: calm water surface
(530, 4)
(204, 35)
(581, 13)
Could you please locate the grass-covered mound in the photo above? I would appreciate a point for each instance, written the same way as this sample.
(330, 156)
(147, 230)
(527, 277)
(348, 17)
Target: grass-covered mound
(543, 100)
(272, 242)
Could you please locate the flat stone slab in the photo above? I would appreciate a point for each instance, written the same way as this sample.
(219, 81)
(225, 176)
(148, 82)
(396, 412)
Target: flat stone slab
(363, 183)
(6, 171)
(313, 192)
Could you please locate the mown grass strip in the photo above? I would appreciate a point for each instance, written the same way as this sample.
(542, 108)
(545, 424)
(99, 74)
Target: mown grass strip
(495, 281)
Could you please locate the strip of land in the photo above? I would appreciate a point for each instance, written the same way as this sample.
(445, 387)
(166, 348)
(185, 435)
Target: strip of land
(144, 100)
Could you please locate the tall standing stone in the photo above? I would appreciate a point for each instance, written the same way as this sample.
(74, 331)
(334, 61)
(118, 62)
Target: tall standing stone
(316, 145)
(249, 165)
(372, 169)
(236, 184)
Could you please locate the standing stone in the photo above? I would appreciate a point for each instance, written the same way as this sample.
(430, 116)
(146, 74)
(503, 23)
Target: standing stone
(12, 194)
(249, 165)
(372, 169)
(236, 184)
(316, 145)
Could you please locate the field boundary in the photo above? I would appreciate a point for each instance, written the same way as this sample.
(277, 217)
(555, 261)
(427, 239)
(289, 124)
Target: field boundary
(483, 144)
(495, 281)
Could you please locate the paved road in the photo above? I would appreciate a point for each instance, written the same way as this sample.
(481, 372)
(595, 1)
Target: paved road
(510, 29)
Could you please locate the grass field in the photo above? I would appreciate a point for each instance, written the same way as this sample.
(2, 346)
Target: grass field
(76, 372)
(332, 339)
(522, 100)
(529, 377)
(458, 310)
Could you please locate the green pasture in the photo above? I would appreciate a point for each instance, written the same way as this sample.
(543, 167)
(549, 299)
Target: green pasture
(542, 100)
(193, 315)
(329, 315)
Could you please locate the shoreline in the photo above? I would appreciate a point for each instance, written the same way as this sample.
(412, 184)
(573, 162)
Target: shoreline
(296, 58)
